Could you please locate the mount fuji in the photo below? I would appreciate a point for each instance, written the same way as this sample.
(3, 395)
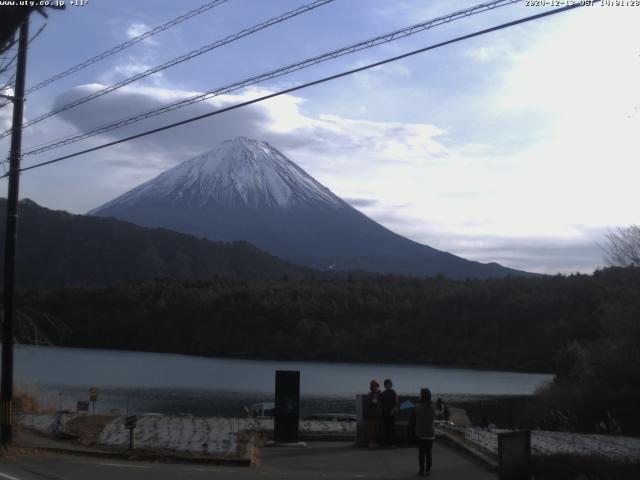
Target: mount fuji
(247, 190)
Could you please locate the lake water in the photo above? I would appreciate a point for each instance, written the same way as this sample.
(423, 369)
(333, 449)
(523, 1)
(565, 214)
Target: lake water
(166, 383)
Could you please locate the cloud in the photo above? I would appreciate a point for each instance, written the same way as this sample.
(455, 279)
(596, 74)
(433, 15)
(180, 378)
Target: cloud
(361, 202)
(325, 145)
(138, 28)
(131, 69)
(499, 51)
(379, 77)
(576, 251)
(280, 121)
(535, 254)
(6, 112)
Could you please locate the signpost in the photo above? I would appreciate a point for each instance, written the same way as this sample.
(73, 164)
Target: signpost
(93, 397)
(130, 424)
(82, 406)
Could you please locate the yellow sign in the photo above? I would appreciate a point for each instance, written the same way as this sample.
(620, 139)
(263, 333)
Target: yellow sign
(93, 394)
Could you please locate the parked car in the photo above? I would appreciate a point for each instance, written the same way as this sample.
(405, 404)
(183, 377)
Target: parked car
(261, 410)
(332, 417)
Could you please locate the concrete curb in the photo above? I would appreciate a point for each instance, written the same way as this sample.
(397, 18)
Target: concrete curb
(485, 459)
(142, 456)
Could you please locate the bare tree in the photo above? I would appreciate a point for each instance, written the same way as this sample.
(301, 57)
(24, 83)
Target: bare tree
(622, 248)
(11, 17)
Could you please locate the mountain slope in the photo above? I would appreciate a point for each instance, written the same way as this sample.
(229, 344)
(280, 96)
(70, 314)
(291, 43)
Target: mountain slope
(247, 190)
(56, 248)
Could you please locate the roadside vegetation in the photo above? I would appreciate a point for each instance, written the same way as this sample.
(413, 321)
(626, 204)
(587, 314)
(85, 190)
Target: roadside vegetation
(568, 467)
(597, 383)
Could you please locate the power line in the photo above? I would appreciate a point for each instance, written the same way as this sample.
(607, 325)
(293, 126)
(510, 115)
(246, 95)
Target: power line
(7, 63)
(372, 42)
(309, 84)
(127, 44)
(175, 61)
(37, 34)
(120, 47)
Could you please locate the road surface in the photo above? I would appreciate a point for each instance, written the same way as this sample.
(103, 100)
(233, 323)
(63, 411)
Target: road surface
(319, 460)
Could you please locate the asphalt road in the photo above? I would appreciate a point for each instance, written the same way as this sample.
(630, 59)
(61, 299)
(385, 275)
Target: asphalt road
(316, 461)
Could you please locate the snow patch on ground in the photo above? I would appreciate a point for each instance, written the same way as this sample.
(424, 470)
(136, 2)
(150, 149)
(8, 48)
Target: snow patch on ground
(548, 443)
(197, 435)
(43, 422)
(305, 426)
(183, 434)
(50, 423)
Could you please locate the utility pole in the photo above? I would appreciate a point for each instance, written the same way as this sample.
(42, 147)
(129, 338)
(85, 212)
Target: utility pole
(6, 381)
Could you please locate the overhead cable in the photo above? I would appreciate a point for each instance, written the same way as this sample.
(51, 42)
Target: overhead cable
(6, 63)
(176, 61)
(372, 42)
(127, 44)
(121, 46)
(306, 85)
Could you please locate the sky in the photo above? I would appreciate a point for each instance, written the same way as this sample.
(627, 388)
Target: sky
(520, 146)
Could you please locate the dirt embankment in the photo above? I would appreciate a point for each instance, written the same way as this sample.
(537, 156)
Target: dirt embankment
(87, 427)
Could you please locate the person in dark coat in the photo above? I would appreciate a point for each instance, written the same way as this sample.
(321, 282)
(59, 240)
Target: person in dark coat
(389, 413)
(446, 413)
(424, 431)
(374, 409)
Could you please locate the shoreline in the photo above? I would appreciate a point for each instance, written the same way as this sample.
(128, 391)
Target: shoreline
(281, 359)
(227, 403)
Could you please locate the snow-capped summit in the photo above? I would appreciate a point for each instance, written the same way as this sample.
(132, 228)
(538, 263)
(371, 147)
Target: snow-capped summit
(238, 172)
(247, 190)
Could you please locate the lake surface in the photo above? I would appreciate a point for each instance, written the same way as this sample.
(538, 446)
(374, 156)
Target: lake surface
(169, 383)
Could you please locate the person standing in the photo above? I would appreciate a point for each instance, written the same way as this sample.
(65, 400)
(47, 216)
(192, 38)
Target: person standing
(389, 412)
(374, 409)
(424, 432)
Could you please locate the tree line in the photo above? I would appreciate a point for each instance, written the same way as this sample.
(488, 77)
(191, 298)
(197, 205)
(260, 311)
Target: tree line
(510, 323)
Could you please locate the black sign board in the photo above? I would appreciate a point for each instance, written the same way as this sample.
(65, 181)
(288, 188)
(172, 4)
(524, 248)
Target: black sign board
(130, 422)
(285, 428)
(82, 406)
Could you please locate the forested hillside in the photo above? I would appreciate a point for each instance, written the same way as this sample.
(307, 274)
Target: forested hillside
(510, 323)
(57, 248)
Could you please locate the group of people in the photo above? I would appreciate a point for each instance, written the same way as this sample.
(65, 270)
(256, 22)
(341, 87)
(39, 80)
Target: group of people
(382, 409)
